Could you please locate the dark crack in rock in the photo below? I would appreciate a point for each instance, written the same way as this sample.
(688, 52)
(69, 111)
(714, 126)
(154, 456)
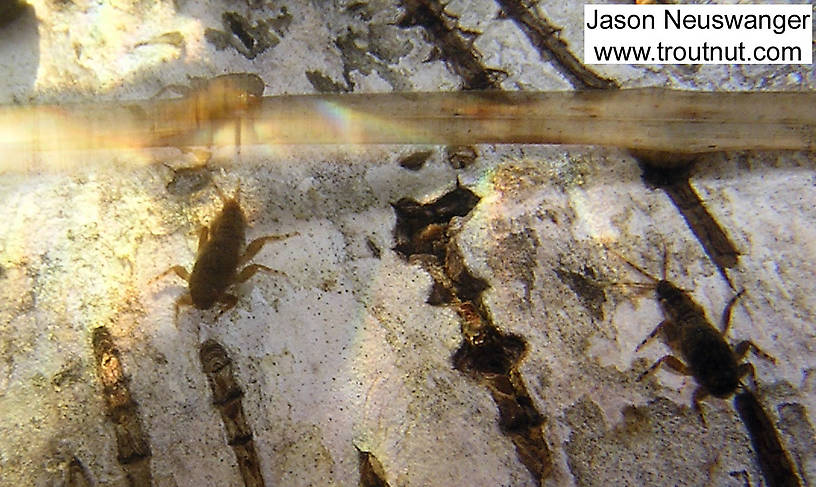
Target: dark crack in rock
(357, 54)
(324, 84)
(460, 156)
(249, 39)
(281, 22)
(372, 473)
(674, 181)
(132, 442)
(227, 396)
(493, 357)
(487, 355)
(453, 45)
(544, 36)
(799, 433)
(421, 228)
(415, 160)
(385, 43)
(774, 460)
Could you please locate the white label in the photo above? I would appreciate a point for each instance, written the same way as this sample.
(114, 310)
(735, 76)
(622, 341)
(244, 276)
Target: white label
(698, 34)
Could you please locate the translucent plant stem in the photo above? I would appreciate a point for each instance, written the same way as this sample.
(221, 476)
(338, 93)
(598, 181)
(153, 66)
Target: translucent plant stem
(642, 119)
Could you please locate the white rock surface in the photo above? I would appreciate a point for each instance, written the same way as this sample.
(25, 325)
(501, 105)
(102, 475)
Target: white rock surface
(344, 353)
